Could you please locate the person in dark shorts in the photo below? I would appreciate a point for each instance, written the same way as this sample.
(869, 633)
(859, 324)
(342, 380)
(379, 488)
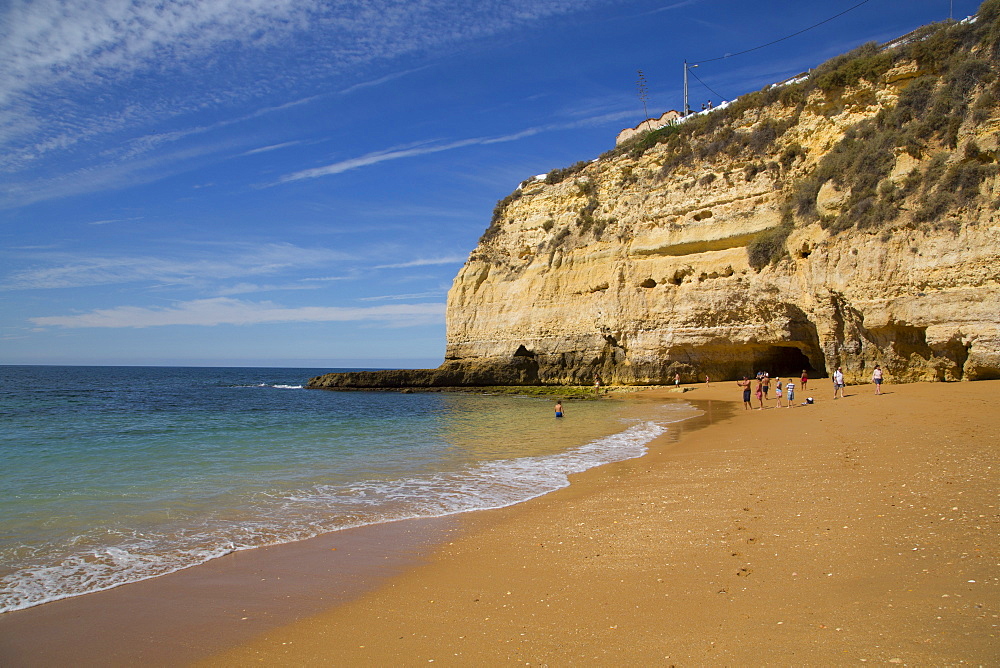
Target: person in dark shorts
(559, 410)
(877, 379)
(745, 384)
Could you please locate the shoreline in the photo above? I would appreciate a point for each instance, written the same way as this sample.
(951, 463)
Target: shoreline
(854, 530)
(198, 611)
(181, 617)
(660, 558)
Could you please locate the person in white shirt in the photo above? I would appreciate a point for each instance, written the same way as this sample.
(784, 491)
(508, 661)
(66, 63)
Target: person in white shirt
(838, 383)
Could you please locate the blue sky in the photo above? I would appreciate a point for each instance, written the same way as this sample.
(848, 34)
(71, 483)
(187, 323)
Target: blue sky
(296, 182)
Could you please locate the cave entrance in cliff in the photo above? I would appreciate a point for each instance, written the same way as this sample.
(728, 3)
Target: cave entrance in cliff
(786, 361)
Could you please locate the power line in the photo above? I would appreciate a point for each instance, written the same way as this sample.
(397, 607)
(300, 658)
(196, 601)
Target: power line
(721, 97)
(782, 39)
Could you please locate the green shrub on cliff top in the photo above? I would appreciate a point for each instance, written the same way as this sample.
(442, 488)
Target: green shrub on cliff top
(558, 175)
(867, 62)
(960, 59)
(930, 113)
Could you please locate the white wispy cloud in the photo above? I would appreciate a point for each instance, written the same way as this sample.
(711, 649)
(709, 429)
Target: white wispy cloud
(328, 279)
(426, 262)
(250, 288)
(108, 221)
(671, 7)
(236, 261)
(415, 295)
(226, 311)
(104, 175)
(50, 40)
(273, 147)
(71, 70)
(374, 158)
(425, 148)
(380, 80)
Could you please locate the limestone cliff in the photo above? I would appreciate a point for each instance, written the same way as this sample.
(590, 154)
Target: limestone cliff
(847, 219)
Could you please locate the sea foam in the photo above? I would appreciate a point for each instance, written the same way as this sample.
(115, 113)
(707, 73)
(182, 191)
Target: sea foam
(307, 512)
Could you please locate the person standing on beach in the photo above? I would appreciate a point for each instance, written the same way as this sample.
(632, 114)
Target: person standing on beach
(877, 379)
(791, 392)
(804, 379)
(745, 384)
(708, 383)
(838, 383)
(559, 410)
(677, 380)
(777, 393)
(766, 384)
(760, 394)
(597, 384)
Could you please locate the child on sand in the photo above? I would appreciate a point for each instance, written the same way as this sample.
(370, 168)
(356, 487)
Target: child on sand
(777, 393)
(791, 392)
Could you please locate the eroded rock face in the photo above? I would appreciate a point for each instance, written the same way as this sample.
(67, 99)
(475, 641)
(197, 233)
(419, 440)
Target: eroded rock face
(636, 266)
(634, 276)
(923, 305)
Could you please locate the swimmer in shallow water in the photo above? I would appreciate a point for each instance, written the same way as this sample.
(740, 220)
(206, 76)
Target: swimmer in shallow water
(559, 410)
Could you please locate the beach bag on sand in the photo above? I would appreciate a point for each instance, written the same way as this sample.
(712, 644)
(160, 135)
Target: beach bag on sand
(809, 400)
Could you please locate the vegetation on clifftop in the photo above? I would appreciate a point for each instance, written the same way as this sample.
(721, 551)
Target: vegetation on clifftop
(926, 120)
(948, 87)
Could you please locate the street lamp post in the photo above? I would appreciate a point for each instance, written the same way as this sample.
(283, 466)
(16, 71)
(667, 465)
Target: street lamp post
(687, 108)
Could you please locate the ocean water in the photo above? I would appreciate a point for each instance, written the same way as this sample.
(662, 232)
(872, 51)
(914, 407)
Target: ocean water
(110, 475)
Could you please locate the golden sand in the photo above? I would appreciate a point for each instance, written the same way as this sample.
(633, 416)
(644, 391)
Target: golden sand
(860, 530)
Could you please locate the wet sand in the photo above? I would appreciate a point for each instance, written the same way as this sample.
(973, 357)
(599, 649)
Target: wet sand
(856, 530)
(861, 530)
(179, 618)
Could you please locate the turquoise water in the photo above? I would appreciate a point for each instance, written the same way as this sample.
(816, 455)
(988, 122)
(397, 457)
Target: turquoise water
(117, 474)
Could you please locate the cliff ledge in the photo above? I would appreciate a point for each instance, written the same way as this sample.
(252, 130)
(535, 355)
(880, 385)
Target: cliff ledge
(847, 219)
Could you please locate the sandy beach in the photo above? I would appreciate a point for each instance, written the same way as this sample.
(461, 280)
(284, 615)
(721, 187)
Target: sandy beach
(857, 530)
(863, 529)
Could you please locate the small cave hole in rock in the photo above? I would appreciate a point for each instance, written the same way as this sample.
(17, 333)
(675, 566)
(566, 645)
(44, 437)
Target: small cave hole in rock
(523, 352)
(678, 277)
(648, 283)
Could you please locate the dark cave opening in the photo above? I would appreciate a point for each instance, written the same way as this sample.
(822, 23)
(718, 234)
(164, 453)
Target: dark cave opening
(785, 361)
